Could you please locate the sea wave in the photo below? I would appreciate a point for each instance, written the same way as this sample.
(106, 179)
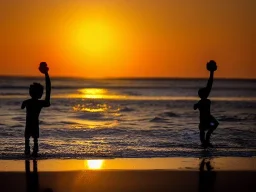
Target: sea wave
(236, 118)
(158, 120)
(90, 116)
(229, 118)
(170, 114)
(126, 109)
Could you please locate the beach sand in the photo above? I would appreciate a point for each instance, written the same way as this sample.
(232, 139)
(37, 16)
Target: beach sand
(155, 174)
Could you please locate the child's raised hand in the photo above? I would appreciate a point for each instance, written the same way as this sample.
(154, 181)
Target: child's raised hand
(43, 68)
(211, 66)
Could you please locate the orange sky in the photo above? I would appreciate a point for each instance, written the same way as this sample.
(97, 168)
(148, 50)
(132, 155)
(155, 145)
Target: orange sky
(128, 38)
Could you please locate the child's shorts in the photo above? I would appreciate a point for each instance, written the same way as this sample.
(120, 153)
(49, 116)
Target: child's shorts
(32, 132)
(208, 123)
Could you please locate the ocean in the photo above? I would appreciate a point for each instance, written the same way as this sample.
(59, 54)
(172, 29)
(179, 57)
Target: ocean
(129, 118)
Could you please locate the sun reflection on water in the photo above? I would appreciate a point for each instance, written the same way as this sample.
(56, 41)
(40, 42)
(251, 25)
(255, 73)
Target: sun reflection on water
(93, 93)
(93, 164)
(91, 108)
(96, 93)
(95, 115)
(89, 124)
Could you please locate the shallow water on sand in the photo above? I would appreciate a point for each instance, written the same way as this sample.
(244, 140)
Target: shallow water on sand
(129, 118)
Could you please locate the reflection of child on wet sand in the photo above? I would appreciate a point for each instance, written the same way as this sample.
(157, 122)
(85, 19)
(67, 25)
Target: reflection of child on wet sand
(207, 178)
(32, 177)
(208, 165)
(34, 106)
(207, 121)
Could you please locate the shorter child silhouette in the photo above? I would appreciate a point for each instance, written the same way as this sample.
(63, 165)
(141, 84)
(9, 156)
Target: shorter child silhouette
(207, 121)
(33, 107)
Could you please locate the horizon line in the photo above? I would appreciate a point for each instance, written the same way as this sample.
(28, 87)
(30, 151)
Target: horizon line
(126, 78)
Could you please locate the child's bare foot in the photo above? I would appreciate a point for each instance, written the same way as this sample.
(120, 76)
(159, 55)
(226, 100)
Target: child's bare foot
(204, 145)
(210, 145)
(34, 154)
(27, 152)
(208, 166)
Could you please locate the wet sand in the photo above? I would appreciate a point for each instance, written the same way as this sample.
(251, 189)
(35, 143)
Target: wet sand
(167, 174)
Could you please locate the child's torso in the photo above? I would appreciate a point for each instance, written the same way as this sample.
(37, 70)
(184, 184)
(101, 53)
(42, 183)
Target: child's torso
(204, 106)
(33, 108)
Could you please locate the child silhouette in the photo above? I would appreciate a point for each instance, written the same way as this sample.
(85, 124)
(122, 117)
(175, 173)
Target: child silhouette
(207, 121)
(33, 108)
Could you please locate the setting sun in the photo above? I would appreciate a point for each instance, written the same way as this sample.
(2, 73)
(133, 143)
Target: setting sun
(94, 38)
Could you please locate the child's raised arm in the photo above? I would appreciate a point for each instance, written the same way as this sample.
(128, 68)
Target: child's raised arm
(211, 66)
(48, 89)
(209, 84)
(44, 69)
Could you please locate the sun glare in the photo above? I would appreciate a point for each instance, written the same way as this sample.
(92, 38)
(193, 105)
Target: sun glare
(94, 44)
(94, 164)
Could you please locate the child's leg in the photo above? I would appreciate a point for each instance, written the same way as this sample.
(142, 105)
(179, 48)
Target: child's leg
(34, 166)
(27, 147)
(27, 166)
(202, 136)
(202, 133)
(35, 149)
(209, 166)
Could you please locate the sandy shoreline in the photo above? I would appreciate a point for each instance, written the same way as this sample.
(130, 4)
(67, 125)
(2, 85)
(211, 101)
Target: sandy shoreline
(182, 164)
(156, 174)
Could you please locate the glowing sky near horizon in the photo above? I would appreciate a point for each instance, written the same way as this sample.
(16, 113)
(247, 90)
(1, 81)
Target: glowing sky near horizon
(128, 38)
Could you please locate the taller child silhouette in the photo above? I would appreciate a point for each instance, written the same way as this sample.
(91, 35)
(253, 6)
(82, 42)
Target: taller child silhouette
(34, 106)
(207, 121)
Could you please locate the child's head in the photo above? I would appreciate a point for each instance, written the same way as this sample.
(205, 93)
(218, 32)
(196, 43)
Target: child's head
(202, 93)
(36, 90)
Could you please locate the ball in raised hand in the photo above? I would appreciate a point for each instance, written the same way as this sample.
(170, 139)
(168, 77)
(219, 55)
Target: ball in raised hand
(43, 67)
(211, 66)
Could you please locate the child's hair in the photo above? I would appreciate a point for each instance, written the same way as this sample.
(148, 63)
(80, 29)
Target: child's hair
(36, 90)
(202, 92)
